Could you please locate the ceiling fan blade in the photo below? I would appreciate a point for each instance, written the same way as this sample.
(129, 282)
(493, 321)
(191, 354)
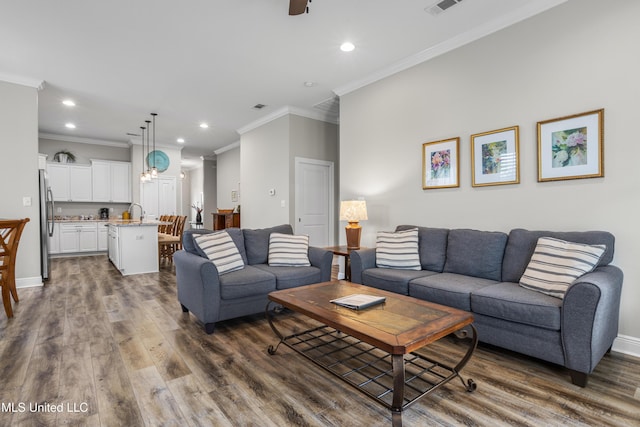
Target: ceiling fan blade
(297, 7)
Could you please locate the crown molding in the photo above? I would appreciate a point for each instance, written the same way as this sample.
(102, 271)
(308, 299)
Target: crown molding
(281, 112)
(531, 9)
(81, 140)
(227, 148)
(23, 81)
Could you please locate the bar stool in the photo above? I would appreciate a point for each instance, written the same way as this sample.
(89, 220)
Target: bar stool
(10, 232)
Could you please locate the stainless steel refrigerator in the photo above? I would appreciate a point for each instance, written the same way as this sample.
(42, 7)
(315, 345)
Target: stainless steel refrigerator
(47, 223)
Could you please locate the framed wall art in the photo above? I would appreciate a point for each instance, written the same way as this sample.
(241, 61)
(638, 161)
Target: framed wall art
(571, 147)
(441, 164)
(495, 157)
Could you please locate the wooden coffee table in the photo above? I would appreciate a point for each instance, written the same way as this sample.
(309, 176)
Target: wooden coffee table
(374, 349)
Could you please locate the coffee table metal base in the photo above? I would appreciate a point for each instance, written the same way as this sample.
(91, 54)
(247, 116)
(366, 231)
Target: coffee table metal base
(394, 380)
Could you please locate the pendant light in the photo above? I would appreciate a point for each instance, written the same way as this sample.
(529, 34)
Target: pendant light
(154, 169)
(147, 174)
(143, 177)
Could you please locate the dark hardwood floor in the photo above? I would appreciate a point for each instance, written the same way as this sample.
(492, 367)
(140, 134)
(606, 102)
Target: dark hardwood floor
(93, 348)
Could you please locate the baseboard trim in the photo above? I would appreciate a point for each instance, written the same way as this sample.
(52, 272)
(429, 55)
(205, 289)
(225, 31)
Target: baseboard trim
(627, 345)
(29, 282)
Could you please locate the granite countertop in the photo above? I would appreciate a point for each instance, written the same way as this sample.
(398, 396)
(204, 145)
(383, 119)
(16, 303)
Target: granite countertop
(132, 222)
(78, 219)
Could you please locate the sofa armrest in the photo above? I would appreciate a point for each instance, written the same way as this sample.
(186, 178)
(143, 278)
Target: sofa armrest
(322, 259)
(198, 285)
(361, 260)
(590, 314)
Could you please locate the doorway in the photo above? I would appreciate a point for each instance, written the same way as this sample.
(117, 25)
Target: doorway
(314, 200)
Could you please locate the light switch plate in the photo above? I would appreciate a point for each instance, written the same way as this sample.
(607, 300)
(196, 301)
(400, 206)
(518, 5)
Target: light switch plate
(26, 201)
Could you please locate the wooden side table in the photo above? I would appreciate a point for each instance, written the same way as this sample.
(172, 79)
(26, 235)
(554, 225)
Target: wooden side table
(222, 221)
(346, 253)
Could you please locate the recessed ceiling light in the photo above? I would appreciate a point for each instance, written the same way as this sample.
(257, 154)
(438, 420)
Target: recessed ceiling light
(347, 47)
(180, 140)
(69, 103)
(204, 125)
(70, 125)
(309, 84)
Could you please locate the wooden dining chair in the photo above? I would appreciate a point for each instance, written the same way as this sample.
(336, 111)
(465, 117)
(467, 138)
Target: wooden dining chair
(10, 232)
(168, 243)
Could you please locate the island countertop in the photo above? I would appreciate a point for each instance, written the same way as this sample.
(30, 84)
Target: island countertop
(135, 222)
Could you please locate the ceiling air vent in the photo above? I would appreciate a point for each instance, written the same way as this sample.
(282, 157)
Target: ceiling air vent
(441, 6)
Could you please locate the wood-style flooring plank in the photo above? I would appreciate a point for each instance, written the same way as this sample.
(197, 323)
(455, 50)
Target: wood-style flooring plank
(123, 345)
(157, 404)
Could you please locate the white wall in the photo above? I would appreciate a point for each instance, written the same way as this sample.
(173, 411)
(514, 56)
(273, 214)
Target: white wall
(84, 152)
(264, 160)
(228, 164)
(267, 161)
(574, 58)
(19, 174)
(210, 188)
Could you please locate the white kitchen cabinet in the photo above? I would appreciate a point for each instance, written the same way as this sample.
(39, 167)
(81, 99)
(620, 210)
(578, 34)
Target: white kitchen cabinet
(103, 236)
(133, 248)
(76, 237)
(59, 181)
(111, 181)
(114, 245)
(54, 241)
(70, 183)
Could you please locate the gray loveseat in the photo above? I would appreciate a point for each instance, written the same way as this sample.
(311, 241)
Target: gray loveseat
(212, 297)
(479, 271)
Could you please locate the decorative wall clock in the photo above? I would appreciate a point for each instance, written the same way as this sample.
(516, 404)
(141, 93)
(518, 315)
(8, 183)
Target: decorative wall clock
(158, 159)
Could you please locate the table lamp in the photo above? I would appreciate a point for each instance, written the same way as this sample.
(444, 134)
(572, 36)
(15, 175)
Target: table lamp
(353, 211)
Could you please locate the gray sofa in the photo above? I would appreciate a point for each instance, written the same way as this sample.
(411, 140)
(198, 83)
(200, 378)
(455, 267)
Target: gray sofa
(479, 271)
(212, 297)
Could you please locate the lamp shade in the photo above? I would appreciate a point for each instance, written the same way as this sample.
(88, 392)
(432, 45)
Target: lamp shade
(353, 210)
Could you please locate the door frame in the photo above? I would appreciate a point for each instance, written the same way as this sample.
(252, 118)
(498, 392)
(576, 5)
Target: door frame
(299, 161)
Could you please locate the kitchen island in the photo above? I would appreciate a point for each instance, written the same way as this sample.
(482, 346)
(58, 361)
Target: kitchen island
(133, 246)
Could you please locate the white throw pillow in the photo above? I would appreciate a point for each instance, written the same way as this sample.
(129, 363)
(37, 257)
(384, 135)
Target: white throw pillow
(221, 250)
(398, 250)
(555, 264)
(287, 250)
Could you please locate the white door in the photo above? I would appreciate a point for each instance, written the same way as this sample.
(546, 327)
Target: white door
(159, 196)
(167, 195)
(314, 200)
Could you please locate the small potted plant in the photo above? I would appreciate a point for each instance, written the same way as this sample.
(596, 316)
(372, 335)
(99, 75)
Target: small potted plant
(198, 212)
(64, 156)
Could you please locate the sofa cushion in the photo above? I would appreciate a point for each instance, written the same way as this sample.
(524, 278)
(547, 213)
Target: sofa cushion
(432, 246)
(393, 280)
(287, 250)
(247, 282)
(475, 253)
(508, 301)
(291, 277)
(522, 243)
(556, 263)
(221, 251)
(450, 289)
(189, 244)
(398, 250)
(256, 242)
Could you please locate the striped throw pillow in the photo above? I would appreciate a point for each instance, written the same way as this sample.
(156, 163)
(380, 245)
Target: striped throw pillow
(398, 250)
(288, 250)
(221, 251)
(555, 264)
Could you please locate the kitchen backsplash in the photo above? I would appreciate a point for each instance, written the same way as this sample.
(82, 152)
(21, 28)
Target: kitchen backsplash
(76, 211)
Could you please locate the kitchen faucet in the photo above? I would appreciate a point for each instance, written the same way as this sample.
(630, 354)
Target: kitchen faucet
(141, 210)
